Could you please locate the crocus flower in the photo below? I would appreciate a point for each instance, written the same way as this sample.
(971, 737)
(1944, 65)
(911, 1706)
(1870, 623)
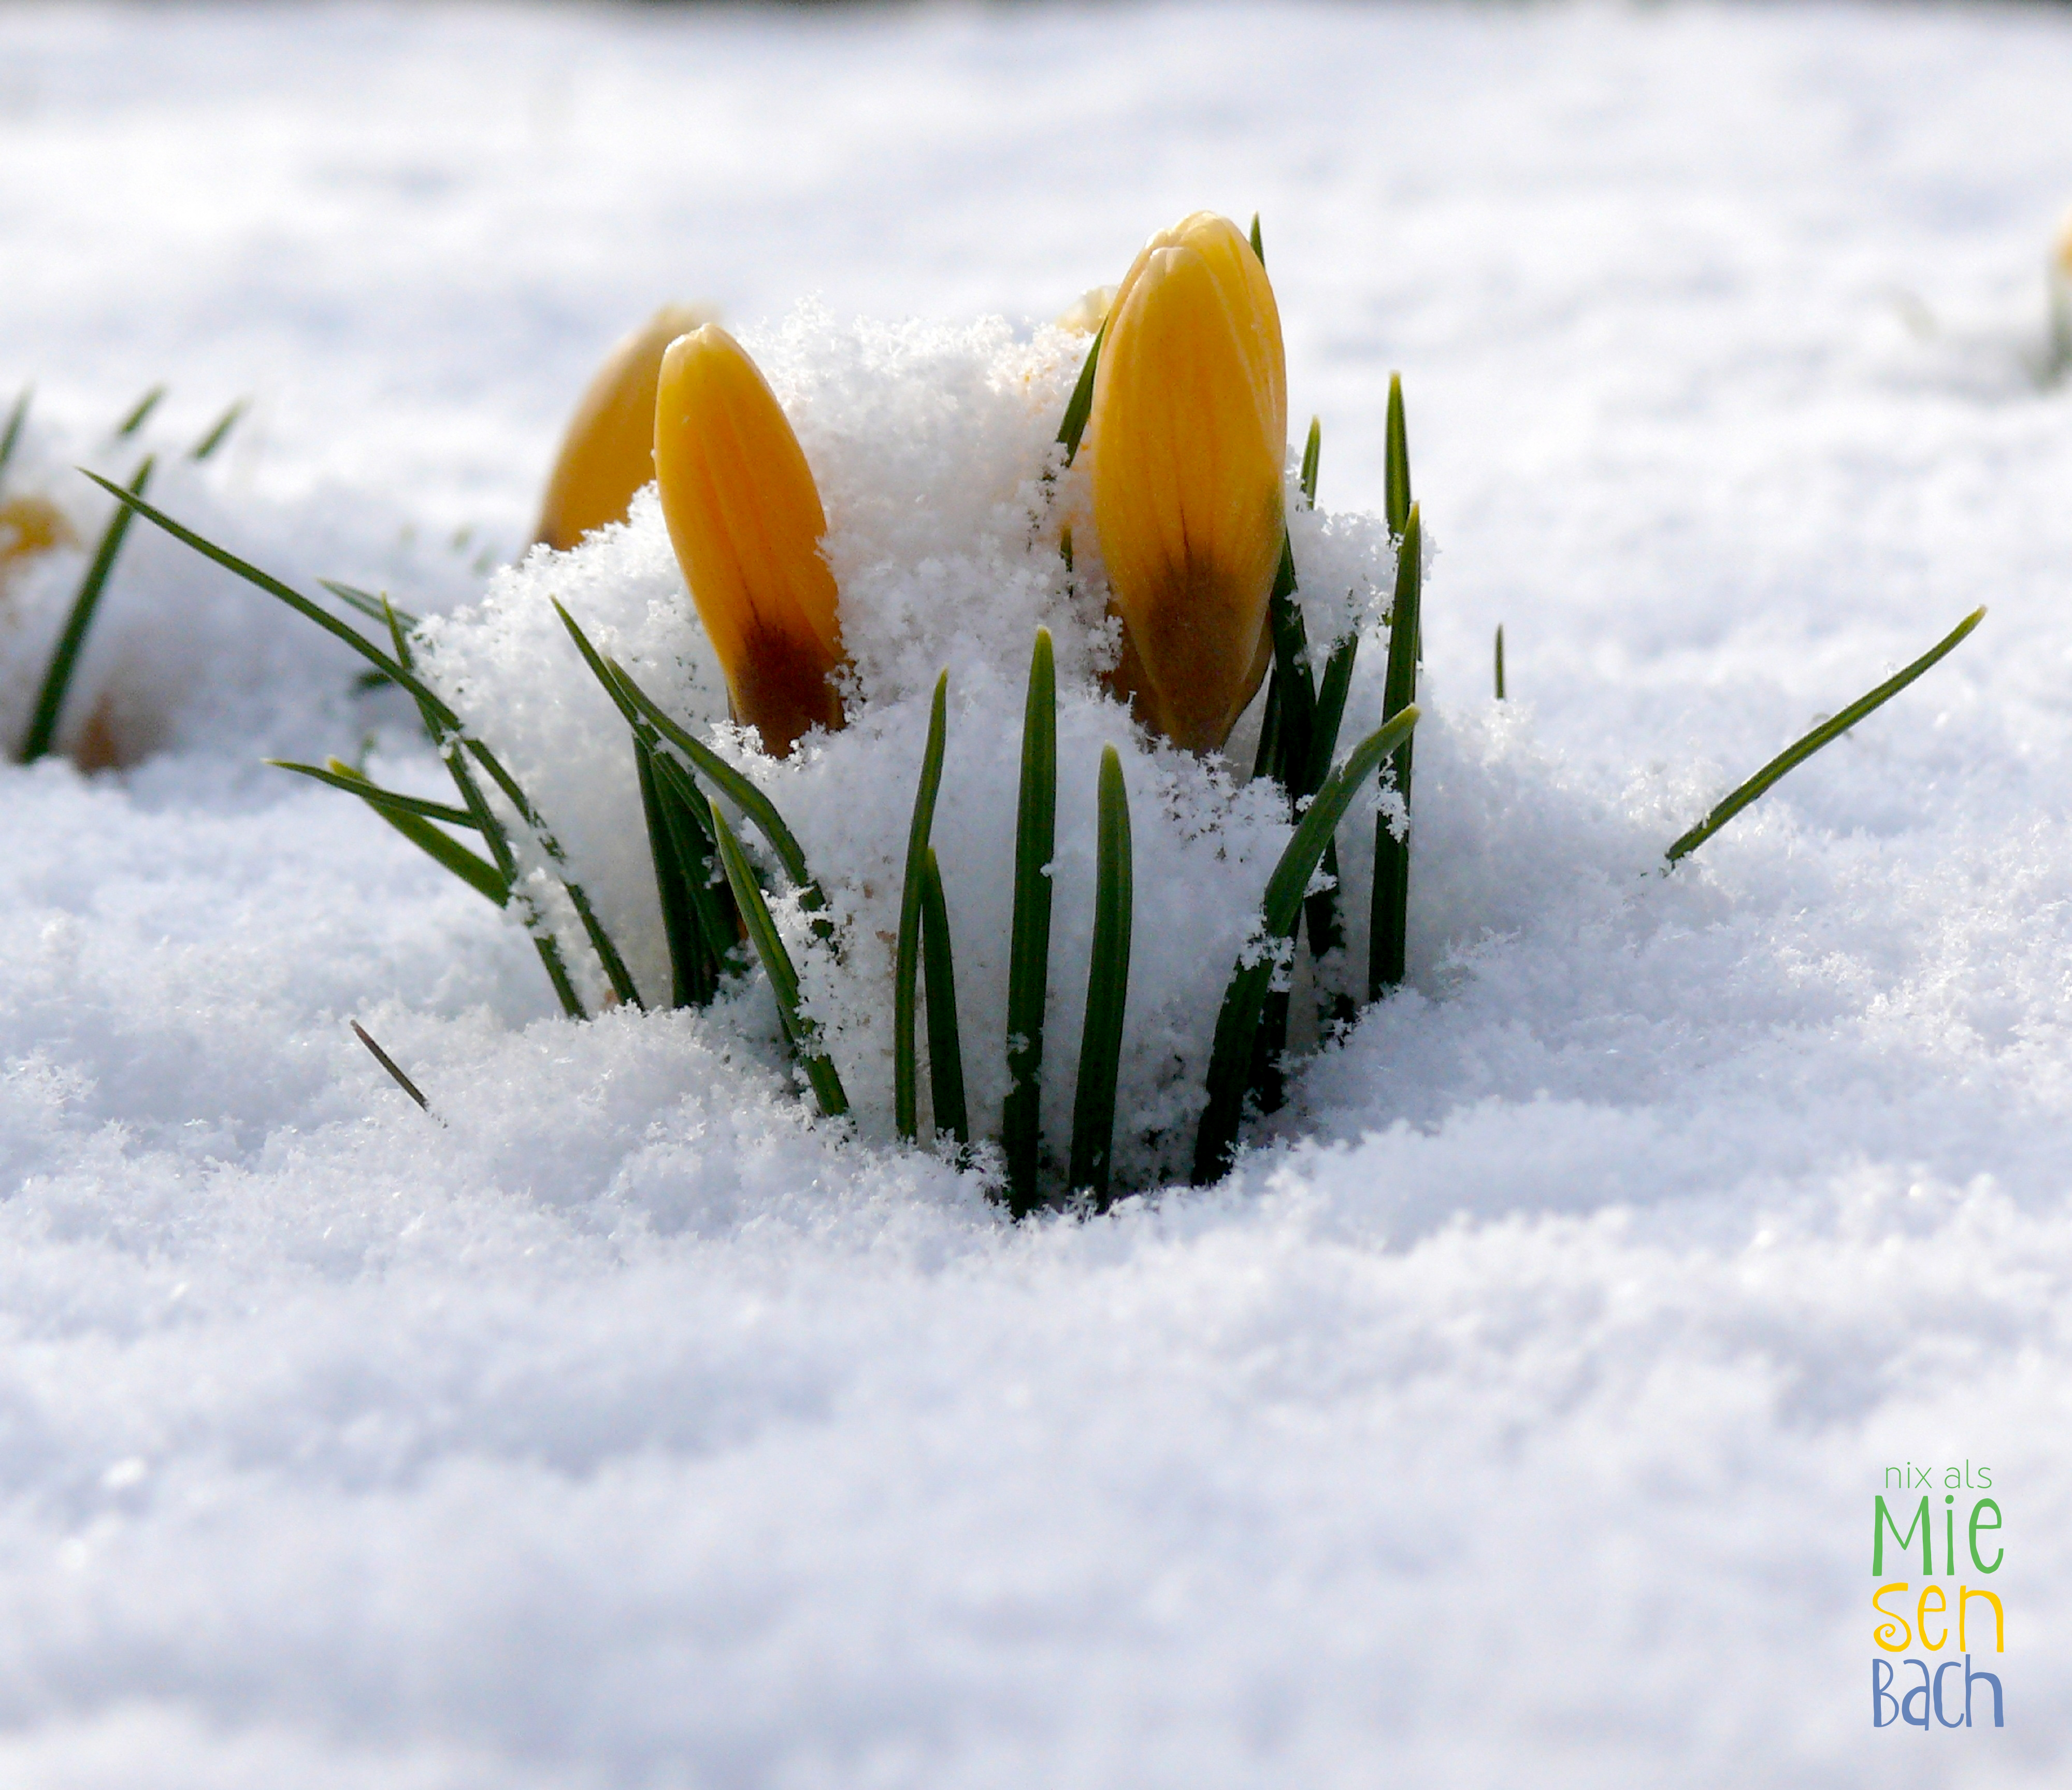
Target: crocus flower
(745, 518)
(1189, 436)
(608, 453)
(30, 526)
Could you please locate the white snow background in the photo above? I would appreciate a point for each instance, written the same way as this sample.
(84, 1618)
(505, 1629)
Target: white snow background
(1512, 1415)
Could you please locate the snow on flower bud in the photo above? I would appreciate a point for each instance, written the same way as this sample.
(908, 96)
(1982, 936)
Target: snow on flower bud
(1189, 440)
(745, 518)
(608, 453)
(1085, 314)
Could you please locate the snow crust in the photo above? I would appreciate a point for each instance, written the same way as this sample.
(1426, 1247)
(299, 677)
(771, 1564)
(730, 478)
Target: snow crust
(1513, 1413)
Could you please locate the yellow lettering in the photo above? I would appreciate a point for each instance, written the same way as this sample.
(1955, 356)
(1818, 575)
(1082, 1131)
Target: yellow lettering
(1922, 1612)
(1895, 1623)
(1965, 1594)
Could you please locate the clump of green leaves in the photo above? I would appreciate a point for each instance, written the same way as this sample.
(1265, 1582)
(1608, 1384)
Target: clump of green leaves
(716, 894)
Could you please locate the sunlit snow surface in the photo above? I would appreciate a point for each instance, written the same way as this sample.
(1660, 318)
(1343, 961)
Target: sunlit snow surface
(1514, 1418)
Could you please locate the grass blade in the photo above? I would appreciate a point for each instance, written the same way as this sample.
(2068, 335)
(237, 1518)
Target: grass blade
(615, 971)
(485, 878)
(1320, 911)
(687, 814)
(1389, 916)
(389, 1064)
(57, 679)
(220, 432)
(342, 775)
(1313, 453)
(1230, 1058)
(1028, 949)
(905, 1069)
(731, 784)
(1292, 697)
(777, 965)
(688, 957)
(1291, 671)
(1801, 749)
(447, 738)
(1499, 662)
(17, 418)
(645, 714)
(295, 600)
(690, 819)
(1107, 991)
(1396, 457)
(1258, 242)
(1330, 712)
(1268, 755)
(945, 1056)
(140, 413)
(479, 875)
(1327, 933)
(373, 608)
(1080, 405)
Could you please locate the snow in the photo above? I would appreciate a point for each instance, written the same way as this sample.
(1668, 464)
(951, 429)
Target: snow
(1513, 1413)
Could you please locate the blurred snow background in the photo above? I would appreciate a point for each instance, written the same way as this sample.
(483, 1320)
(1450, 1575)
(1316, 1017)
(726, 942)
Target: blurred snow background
(1515, 1418)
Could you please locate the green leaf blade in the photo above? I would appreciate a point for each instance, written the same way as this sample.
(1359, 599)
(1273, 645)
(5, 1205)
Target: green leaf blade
(1079, 407)
(906, 1068)
(1389, 919)
(946, 1060)
(1107, 991)
(18, 417)
(1244, 998)
(64, 660)
(1396, 462)
(294, 599)
(1029, 948)
(777, 965)
(1804, 747)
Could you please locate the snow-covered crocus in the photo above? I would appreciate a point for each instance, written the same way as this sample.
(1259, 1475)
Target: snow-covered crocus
(608, 453)
(745, 518)
(1189, 435)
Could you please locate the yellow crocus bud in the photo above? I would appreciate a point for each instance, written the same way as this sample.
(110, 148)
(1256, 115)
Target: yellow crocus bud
(746, 519)
(608, 453)
(1189, 438)
(30, 526)
(1242, 277)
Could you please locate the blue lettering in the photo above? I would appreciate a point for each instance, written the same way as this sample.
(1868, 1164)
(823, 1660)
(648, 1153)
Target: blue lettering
(1948, 1665)
(1920, 1690)
(1971, 1678)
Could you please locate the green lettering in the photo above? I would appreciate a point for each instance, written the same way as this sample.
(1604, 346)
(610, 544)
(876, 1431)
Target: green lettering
(1979, 1522)
(1881, 1520)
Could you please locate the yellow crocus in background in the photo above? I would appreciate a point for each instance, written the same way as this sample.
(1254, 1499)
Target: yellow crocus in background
(608, 453)
(745, 518)
(1188, 438)
(2061, 301)
(30, 526)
